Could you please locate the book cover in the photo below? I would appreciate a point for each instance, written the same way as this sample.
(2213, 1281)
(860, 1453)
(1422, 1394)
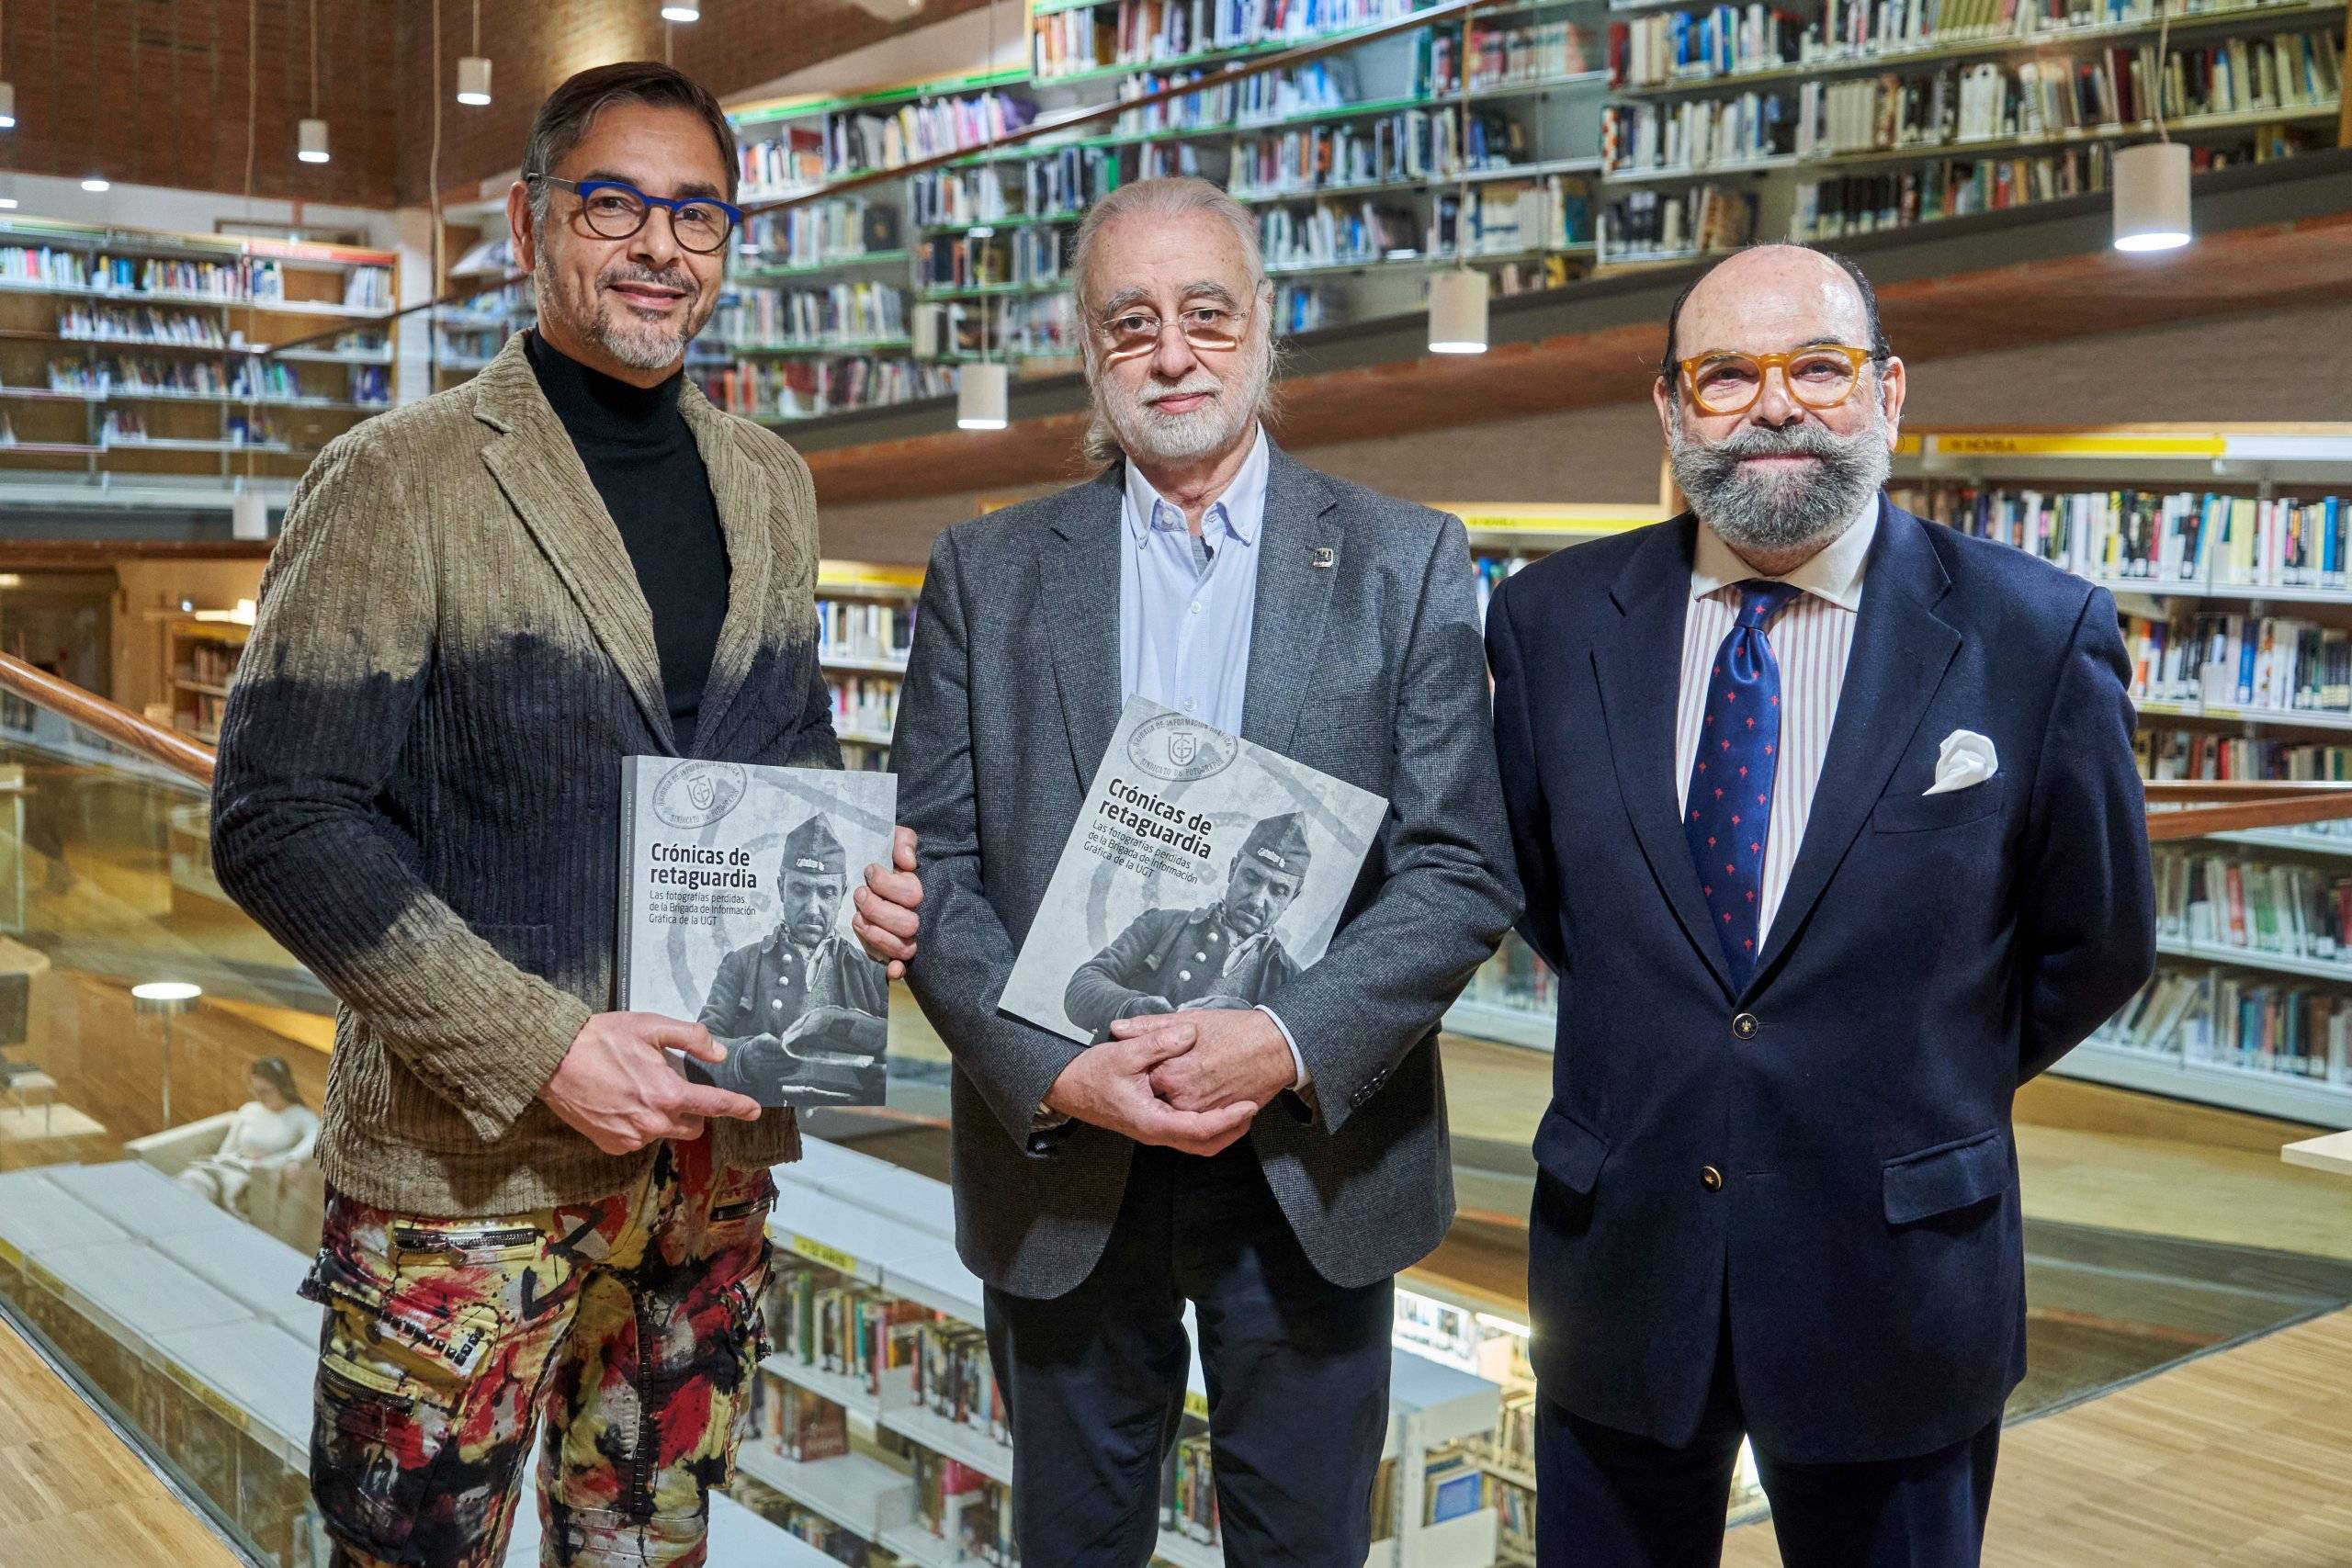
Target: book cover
(1202, 871)
(735, 913)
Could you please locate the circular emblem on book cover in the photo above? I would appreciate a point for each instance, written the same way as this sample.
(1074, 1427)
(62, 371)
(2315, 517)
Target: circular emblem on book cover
(699, 793)
(1174, 747)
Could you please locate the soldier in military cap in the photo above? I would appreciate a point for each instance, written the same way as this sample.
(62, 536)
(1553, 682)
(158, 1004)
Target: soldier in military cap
(1226, 955)
(804, 1011)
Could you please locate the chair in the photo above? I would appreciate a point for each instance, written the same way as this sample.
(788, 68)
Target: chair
(288, 1204)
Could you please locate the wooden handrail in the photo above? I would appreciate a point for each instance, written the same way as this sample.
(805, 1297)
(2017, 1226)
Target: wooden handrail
(187, 758)
(1282, 60)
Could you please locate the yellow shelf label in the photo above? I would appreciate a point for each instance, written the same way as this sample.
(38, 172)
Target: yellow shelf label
(818, 1252)
(10, 1255)
(206, 1396)
(1995, 444)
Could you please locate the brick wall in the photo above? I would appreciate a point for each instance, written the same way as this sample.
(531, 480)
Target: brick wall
(154, 91)
(534, 44)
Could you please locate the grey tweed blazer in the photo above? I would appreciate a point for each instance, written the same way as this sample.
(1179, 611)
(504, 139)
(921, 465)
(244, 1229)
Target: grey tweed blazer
(1369, 669)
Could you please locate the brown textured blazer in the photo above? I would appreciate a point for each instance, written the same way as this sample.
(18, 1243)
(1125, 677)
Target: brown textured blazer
(419, 781)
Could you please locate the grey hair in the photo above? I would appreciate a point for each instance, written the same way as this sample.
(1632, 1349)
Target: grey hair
(1168, 196)
(563, 120)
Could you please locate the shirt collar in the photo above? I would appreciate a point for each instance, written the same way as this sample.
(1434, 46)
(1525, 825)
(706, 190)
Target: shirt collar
(1833, 573)
(1241, 508)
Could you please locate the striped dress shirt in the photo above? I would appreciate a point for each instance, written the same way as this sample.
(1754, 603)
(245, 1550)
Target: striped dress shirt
(1810, 639)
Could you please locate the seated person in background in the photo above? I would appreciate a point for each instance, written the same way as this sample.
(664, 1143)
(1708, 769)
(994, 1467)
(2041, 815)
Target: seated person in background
(270, 1132)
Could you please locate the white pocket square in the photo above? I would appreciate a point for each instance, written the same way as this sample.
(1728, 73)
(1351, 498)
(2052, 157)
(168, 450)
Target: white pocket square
(1966, 760)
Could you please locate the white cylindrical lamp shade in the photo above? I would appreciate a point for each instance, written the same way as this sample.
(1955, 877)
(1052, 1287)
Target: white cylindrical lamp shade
(310, 145)
(982, 395)
(925, 329)
(1458, 313)
(682, 10)
(473, 79)
(2152, 196)
(7, 105)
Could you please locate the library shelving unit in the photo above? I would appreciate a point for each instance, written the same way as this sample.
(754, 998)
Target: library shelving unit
(865, 622)
(1510, 998)
(2227, 550)
(1829, 118)
(134, 352)
(200, 658)
(1352, 164)
(881, 1384)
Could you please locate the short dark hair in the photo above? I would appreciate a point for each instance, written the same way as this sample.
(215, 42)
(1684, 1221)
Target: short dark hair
(1880, 350)
(565, 118)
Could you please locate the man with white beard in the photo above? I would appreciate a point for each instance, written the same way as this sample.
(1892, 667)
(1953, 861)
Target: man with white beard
(1887, 859)
(1273, 1165)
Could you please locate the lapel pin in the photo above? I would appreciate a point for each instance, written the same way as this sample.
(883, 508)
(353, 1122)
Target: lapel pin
(1326, 556)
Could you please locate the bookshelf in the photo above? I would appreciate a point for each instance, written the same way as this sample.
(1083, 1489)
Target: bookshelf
(877, 1412)
(134, 351)
(866, 620)
(1834, 117)
(200, 659)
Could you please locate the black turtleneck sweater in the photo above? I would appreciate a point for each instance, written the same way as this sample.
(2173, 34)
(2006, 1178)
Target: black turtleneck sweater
(644, 463)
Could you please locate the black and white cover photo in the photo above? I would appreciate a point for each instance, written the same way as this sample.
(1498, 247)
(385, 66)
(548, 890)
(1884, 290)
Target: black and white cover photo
(735, 913)
(1202, 871)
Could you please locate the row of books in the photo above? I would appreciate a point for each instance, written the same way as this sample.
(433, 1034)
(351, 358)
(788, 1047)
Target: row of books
(1696, 133)
(1070, 179)
(803, 389)
(210, 663)
(121, 274)
(791, 159)
(144, 323)
(1035, 325)
(1508, 56)
(1650, 223)
(1409, 145)
(1729, 41)
(865, 628)
(1950, 187)
(2210, 754)
(802, 1425)
(1144, 32)
(263, 378)
(1188, 1493)
(858, 141)
(2183, 536)
(2219, 1018)
(852, 312)
(1508, 217)
(970, 1511)
(837, 1542)
(867, 703)
(2216, 895)
(1304, 307)
(1213, 107)
(841, 229)
(821, 1319)
(1023, 256)
(2274, 662)
(953, 1380)
(1333, 233)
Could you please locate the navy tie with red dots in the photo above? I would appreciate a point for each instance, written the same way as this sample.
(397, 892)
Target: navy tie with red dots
(1730, 810)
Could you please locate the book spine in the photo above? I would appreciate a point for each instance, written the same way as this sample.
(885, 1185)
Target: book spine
(628, 911)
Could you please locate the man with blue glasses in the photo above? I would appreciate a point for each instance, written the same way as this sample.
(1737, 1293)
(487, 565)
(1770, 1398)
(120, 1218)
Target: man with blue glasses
(482, 602)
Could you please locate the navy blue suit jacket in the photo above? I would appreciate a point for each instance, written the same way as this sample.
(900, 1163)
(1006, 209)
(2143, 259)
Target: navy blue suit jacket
(1931, 953)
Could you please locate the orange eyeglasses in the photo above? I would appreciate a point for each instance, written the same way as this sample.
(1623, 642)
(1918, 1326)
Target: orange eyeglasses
(1821, 376)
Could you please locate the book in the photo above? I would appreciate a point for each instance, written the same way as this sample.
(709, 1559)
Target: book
(734, 913)
(1202, 871)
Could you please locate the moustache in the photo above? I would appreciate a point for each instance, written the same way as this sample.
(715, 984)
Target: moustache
(682, 281)
(1794, 441)
(1209, 389)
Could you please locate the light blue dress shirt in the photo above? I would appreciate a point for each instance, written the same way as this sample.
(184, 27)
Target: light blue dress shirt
(1188, 605)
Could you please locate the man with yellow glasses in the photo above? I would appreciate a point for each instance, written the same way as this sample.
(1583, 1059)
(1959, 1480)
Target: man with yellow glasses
(1827, 819)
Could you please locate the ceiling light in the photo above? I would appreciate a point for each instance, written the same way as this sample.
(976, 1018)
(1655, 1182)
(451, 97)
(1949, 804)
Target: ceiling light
(7, 105)
(312, 145)
(2152, 196)
(473, 79)
(981, 394)
(682, 11)
(95, 183)
(7, 193)
(1458, 313)
(166, 991)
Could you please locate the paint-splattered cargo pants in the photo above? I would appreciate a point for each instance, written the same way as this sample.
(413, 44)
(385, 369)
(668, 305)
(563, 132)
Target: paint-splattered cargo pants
(629, 1326)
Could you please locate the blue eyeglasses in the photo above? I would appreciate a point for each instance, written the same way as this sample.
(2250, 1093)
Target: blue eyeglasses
(615, 209)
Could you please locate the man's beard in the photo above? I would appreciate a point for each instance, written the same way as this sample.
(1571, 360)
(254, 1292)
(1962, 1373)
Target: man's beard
(1769, 511)
(640, 346)
(1232, 408)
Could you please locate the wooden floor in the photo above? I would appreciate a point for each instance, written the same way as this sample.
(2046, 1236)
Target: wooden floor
(2242, 1459)
(70, 1495)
